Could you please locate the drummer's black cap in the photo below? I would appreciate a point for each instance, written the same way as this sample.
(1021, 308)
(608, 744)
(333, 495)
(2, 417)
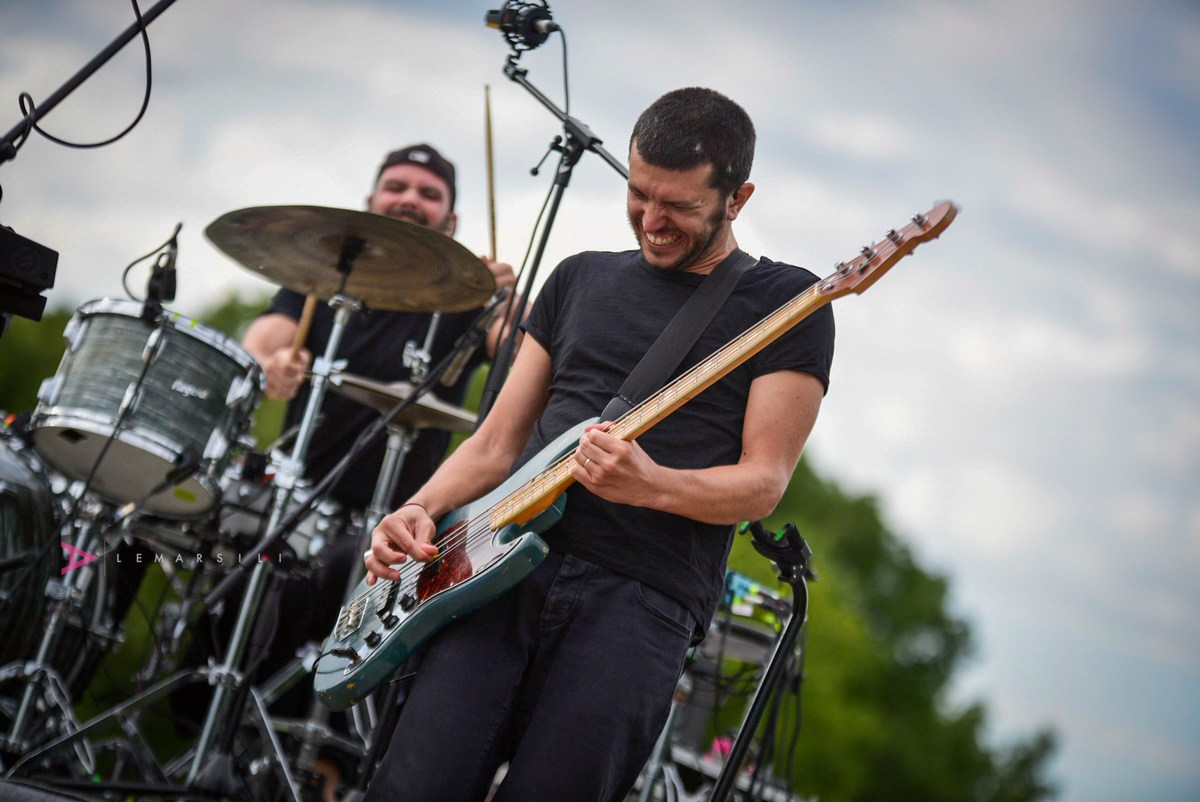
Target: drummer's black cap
(423, 156)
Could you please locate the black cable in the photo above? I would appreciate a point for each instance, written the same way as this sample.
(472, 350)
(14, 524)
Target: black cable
(566, 87)
(130, 266)
(30, 114)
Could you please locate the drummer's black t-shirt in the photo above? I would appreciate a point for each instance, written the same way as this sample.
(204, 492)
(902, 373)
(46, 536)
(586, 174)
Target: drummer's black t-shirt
(373, 346)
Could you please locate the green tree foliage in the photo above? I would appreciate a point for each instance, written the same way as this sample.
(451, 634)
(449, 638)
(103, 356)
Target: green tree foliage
(29, 352)
(882, 648)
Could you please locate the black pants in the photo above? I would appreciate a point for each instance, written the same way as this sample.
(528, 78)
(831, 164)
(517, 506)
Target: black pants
(568, 677)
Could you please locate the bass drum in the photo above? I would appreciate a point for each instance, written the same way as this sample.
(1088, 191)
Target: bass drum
(32, 555)
(27, 527)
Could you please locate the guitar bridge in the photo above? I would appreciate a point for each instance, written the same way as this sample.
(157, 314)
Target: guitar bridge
(350, 620)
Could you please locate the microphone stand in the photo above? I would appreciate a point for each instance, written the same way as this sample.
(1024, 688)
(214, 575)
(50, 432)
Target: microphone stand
(577, 138)
(24, 298)
(9, 143)
(8, 146)
(792, 556)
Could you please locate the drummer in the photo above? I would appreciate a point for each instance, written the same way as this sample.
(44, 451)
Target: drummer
(415, 184)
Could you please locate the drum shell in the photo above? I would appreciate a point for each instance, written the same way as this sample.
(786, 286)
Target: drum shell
(27, 525)
(194, 401)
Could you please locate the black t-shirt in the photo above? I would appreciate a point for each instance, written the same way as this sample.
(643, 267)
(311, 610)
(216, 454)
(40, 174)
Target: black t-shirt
(373, 345)
(596, 316)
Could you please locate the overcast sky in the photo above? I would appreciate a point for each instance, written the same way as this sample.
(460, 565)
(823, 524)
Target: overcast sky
(1021, 396)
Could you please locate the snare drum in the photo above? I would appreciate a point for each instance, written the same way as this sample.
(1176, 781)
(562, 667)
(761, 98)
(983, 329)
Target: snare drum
(184, 416)
(246, 511)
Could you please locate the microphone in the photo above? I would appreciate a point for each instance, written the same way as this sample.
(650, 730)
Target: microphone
(168, 265)
(161, 286)
(524, 25)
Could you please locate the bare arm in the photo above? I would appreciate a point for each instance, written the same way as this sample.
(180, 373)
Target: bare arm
(269, 340)
(780, 413)
(477, 466)
(503, 273)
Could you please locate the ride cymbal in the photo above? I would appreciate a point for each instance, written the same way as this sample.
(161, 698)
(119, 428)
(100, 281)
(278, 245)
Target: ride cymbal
(382, 262)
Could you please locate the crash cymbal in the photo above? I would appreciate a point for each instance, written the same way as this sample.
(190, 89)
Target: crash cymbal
(381, 262)
(428, 412)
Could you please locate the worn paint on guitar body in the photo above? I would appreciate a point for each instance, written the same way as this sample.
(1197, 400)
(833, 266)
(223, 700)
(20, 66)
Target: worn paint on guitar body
(353, 663)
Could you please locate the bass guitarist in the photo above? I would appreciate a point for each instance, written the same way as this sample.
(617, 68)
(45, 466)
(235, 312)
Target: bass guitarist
(568, 677)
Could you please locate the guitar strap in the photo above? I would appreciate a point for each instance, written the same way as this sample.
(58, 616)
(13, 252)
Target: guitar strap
(680, 335)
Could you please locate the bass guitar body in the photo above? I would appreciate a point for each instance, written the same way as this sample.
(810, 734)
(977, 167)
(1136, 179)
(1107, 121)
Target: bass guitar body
(383, 623)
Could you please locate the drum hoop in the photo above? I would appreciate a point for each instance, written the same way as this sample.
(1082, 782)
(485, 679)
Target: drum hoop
(182, 323)
(103, 427)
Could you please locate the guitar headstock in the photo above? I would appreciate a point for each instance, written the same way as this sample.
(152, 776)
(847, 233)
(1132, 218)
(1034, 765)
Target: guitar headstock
(876, 259)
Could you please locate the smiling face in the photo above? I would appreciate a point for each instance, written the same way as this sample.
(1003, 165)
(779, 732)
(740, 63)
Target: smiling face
(680, 220)
(413, 194)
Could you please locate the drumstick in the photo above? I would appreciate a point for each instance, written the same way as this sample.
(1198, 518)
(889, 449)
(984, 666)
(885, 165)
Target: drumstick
(487, 107)
(310, 306)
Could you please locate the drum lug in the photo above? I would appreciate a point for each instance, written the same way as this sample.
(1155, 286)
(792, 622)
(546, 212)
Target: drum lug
(217, 447)
(240, 390)
(73, 333)
(49, 389)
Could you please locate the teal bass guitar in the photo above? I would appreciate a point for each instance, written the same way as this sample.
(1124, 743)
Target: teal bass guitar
(488, 546)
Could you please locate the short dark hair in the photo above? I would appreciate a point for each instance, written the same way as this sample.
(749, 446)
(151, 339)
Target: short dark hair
(686, 128)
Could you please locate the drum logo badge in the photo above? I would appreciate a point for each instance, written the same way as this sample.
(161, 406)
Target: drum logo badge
(189, 390)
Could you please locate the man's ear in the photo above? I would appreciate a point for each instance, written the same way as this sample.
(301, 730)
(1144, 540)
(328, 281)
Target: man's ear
(737, 200)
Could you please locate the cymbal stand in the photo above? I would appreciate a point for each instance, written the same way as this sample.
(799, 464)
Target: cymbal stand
(217, 773)
(64, 594)
(400, 441)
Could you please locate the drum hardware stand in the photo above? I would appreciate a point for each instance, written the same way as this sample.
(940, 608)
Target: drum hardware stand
(792, 556)
(227, 676)
(315, 731)
(577, 139)
(218, 774)
(212, 675)
(63, 595)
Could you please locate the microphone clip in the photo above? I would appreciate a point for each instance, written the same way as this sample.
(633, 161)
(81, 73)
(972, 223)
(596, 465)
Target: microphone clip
(525, 25)
(161, 285)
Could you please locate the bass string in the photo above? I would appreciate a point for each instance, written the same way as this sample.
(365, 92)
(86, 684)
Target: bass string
(473, 533)
(479, 527)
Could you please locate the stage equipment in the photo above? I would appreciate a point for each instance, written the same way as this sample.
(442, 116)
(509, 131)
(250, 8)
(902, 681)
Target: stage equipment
(27, 269)
(380, 262)
(149, 412)
(524, 25)
(22, 282)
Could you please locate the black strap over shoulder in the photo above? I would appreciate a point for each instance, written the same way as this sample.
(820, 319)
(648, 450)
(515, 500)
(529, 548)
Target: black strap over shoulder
(680, 335)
